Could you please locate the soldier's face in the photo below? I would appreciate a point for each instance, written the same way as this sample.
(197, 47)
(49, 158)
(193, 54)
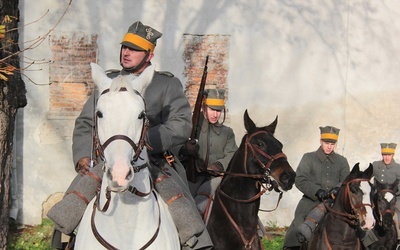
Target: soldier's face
(132, 58)
(387, 158)
(327, 147)
(212, 115)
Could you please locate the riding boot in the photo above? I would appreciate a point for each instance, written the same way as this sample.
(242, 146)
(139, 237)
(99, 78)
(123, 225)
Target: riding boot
(306, 229)
(67, 213)
(187, 220)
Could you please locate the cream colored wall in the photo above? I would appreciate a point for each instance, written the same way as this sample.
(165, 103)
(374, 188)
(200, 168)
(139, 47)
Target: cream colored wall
(312, 63)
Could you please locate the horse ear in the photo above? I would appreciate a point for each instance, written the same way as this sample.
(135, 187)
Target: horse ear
(271, 128)
(248, 122)
(144, 79)
(369, 171)
(356, 168)
(99, 77)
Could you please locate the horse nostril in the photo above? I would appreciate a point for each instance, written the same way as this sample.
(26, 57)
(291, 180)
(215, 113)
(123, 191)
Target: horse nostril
(129, 174)
(109, 175)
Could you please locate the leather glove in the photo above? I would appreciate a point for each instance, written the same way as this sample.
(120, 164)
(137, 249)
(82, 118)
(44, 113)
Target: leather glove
(190, 148)
(321, 194)
(333, 192)
(83, 165)
(215, 168)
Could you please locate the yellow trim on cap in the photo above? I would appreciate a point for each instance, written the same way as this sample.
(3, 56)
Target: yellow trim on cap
(388, 151)
(329, 136)
(139, 41)
(215, 102)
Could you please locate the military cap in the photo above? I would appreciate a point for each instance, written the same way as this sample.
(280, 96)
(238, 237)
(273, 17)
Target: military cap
(141, 37)
(215, 98)
(388, 148)
(329, 134)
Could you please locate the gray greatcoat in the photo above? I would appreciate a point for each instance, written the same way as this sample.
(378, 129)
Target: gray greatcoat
(387, 174)
(315, 171)
(169, 115)
(216, 143)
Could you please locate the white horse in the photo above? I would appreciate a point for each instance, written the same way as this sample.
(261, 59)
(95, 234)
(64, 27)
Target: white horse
(133, 216)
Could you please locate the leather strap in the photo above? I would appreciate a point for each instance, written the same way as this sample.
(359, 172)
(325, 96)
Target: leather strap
(174, 198)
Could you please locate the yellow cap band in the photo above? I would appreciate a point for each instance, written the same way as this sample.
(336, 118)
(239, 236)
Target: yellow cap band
(388, 151)
(329, 136)
(139, 41)
(215, 102)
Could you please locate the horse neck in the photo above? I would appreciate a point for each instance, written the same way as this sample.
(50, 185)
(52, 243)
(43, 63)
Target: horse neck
(342, 203)
(230, 183)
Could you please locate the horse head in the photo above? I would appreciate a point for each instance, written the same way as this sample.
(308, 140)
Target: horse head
(356, 194)
(121, 123)
(385, 203)
(265, 155)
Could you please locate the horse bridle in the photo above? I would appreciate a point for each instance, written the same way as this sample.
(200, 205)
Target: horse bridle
(350, 217)
(137, 149)
(265, 177)
(387, 210)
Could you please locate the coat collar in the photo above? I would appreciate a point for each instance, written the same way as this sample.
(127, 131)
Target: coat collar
(322, 156)
(206, 126)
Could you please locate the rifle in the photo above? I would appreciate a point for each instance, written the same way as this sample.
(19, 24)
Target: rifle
(191, 167)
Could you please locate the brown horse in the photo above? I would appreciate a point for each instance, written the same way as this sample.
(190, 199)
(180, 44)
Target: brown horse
(257, 166)
(385, 206)
(351, 212)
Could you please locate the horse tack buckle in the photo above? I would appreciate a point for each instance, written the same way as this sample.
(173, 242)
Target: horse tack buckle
(169, 157)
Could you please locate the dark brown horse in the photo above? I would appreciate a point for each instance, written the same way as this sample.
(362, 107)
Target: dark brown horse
(257, 166)
(351, 211)
(385, 206)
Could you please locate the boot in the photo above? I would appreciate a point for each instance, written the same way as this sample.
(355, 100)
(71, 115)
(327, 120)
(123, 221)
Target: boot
(306, 229)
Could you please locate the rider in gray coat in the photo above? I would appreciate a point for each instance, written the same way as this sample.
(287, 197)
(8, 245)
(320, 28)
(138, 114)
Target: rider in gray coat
(318, 172)
(169, 117)
(213, 151)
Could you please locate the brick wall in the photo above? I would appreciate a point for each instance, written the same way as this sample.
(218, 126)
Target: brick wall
(70, 82)
(196, 48)
(70, 75)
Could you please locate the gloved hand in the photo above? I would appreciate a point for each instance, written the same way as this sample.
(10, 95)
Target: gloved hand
(321, 194)
(215, 168)
(190, 148)
(83, 165)
(333, 192)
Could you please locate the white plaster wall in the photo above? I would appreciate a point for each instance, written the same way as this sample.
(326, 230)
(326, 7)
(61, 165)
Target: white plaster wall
(312, 63)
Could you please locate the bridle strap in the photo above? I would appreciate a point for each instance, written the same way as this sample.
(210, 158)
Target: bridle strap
(136, 192)
(119, 137)
(136, 147)
(247, 243)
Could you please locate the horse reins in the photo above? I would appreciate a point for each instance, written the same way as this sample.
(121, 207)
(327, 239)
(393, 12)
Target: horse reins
(257, 177)
(100, 238)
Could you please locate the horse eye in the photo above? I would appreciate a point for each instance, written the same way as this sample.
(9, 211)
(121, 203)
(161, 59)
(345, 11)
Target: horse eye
(99, 114)
(260, 144)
